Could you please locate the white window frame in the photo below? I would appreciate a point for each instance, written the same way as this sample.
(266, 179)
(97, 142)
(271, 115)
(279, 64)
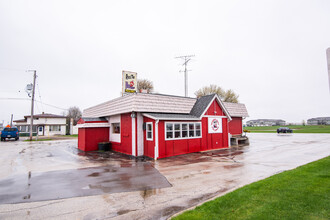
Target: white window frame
(52, 128)
(113, 127)
(183, 138)
(152, 131)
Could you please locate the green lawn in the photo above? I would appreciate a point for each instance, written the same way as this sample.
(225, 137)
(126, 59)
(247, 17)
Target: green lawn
(39, 140)
(72, 135)
(302, 193)
(295, 128)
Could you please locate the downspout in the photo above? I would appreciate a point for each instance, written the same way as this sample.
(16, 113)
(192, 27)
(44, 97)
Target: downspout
(229, 135)
(156, 140)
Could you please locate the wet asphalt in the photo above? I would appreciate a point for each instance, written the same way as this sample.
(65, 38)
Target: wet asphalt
(80, 182)
(53, 180)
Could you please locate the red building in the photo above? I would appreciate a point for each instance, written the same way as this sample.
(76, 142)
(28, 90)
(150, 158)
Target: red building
(159, 126)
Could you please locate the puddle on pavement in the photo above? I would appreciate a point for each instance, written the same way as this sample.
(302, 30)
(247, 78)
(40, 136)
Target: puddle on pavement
(199, 157)
(125, 211)
(203, 198)
(81, 182)
(110, 156)
(232, 166)
(169, 211)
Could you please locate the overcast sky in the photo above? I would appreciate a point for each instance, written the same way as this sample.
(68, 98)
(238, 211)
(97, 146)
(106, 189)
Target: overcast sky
(270, 52)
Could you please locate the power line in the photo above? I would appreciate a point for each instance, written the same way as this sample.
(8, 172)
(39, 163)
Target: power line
(42, 107)
(12, 69)
(26, 99)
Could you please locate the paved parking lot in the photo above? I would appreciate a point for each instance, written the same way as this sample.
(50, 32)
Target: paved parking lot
(165, 187)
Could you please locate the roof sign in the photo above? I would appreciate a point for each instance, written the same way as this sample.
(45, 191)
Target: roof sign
(215, 124)
(129, 82)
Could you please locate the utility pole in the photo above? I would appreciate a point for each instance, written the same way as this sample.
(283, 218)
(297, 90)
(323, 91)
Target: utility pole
(11, 121)
(32, 102)
(186, 59)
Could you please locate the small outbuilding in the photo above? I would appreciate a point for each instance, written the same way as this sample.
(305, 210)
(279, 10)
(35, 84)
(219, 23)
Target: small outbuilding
(159, 126)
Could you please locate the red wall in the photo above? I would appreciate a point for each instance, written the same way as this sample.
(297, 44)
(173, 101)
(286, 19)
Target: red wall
(214, 109)
(125, 135)
(168, 148)
(208, 141)
(215, 140)
(235, 126)
(88, 138)
(149, 146)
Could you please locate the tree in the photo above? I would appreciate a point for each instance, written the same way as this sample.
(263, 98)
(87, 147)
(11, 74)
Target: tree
(226, 96)
(74, 113)
(145, 84)
(230, 96)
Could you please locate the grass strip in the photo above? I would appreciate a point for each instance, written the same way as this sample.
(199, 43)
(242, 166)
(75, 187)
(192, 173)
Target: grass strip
(295, 128)
(302, 193)
(39, 140)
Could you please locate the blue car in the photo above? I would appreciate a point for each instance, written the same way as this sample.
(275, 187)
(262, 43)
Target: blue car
(284, 130)
(9, 133)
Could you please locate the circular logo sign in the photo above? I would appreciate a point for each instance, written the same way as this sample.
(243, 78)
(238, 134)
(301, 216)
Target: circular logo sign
(215, 124)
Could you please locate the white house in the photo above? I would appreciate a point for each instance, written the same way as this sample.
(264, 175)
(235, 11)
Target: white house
(46, 124)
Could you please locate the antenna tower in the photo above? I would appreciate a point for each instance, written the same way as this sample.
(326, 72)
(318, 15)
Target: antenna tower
(186, 59)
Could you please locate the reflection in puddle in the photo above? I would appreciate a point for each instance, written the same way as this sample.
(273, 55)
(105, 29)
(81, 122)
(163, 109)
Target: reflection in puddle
(81, 182)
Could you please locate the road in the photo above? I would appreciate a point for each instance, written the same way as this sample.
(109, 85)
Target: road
(53, 180)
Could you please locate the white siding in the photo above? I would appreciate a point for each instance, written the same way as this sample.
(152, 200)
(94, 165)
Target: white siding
(47, 131)
(140, 134)
(49, 121)
(133, 137)
(114, 137)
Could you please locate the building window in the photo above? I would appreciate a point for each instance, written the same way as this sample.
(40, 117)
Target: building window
(54, 128)
(169, 131)
(149, 131)
(115, 128)
(191, 130)
(26, 128)
(177, 130)
(183, 130)
(198, 129)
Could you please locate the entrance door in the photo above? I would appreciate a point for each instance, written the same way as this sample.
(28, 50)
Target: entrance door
(40, 131)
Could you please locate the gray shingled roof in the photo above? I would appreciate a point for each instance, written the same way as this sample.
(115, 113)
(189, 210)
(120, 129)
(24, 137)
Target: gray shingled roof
(161, 104)
(201, 105)
(236, 109)
(169, 116)
(45, 115)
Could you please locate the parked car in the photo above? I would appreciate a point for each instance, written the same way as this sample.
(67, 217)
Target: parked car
(8, 133)
(284, 130)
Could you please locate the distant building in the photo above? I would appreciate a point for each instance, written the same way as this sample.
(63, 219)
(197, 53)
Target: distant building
(265, 122)
(319, 121)
(43, 124)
